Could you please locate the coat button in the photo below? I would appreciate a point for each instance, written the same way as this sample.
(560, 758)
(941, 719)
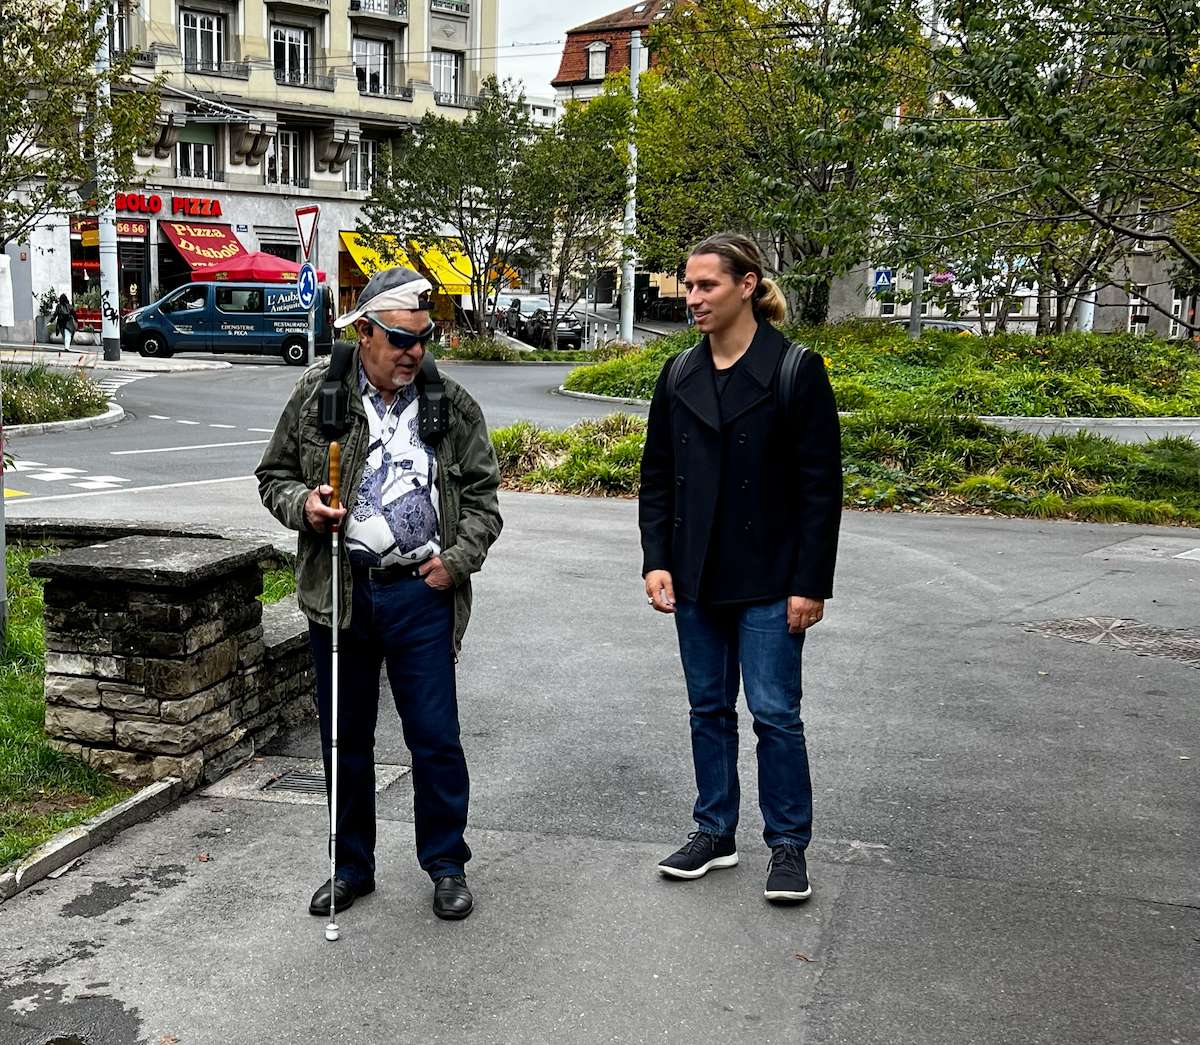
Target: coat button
(749, 526)
(678, 520)
(745, 484)
(683, 438)
(741, 437)
(679, 480)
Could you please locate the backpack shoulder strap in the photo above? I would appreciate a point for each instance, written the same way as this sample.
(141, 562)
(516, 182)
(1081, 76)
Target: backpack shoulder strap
(677, 365)
(333, 401)
(433, 411)
(792, 357)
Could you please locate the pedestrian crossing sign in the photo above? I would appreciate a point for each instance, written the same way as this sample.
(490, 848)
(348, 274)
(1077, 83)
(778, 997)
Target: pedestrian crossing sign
(883, 281)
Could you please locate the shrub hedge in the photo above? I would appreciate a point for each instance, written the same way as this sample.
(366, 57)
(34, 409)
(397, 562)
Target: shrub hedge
(37, 394)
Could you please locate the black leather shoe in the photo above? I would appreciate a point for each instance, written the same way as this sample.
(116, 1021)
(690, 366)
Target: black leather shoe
(346, 895)
(451, 897)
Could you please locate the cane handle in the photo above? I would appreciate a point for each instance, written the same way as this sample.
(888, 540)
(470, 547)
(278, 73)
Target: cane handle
(335, 474)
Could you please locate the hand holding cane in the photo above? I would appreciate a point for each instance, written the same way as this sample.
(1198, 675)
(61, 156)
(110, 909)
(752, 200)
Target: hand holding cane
(335, 478)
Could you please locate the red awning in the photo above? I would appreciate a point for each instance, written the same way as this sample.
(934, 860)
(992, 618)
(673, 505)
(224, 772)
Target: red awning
(202, 244)
(255, 267)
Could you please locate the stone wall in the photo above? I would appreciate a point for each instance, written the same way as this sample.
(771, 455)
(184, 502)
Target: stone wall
(160, 660)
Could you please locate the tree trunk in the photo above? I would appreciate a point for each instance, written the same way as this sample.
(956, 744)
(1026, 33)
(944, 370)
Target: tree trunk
(814, 305)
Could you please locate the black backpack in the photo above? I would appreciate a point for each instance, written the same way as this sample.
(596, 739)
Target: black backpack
(788, 367)
(333, 397)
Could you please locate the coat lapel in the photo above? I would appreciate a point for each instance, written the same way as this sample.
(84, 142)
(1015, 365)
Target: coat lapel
(750, 382)
(695, 389)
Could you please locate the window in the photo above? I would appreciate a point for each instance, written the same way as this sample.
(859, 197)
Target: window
(372, 64)
(989, 308)
(1016, 306)
(187, 299)
(446, 72)
(597, 60)
(1141, 222)
(360, 168)
(195, 160)
(887, 305)
(202, 39)
(1139, 310)
(239, 299)
(1176, 328)
(118, 34)
(291, 51)
(285, 160)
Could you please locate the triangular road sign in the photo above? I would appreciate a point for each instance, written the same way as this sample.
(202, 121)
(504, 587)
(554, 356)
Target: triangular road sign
(306, 225)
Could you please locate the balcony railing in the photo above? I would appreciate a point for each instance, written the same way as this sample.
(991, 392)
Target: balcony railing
(454, 7)
(205, 67)
(303, 3)
(463, 101)
(388, 8)
(209, 173)
(294, 178)
(304, 78)
(139, 57)
(404, 94)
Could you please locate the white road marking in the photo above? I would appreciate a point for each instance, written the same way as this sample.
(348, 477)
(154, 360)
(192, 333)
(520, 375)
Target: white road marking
(56, 475)
(222, 426)
(101, 484)
(139, 489)
(179, 422)
(27, 466)
(1193, 554)
(158, 417)
(173, 449)
(267, 430)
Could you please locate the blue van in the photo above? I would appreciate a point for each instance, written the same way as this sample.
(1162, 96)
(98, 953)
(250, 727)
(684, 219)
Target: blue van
(248, 318)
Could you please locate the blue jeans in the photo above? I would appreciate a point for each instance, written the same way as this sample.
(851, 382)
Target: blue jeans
(718, 645)
(409, 626)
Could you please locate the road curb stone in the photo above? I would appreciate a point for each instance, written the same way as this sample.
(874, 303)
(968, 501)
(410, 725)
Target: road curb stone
(113, 415)
(72, 843)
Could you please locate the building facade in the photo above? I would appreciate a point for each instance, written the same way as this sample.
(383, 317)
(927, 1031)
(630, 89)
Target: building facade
(268, 105)
(600, 48)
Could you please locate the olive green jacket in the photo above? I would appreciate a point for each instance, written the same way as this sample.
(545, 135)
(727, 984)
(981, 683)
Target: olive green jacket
(297, 460)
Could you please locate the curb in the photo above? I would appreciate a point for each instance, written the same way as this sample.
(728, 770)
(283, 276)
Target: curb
(69, 845)
(12, 353)
(564, 391)
(114, 415)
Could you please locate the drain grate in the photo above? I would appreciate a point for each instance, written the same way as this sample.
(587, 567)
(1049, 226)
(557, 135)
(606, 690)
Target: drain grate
(300, 781)
(1132, 636)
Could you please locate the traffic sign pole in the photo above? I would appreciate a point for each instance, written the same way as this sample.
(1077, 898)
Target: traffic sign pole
(306, 225)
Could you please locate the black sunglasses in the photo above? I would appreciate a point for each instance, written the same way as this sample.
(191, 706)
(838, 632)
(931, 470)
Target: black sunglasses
(403, 339)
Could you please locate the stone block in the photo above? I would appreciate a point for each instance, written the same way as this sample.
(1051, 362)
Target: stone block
(91, 727)
(130, 700)
(221, 764)
(186, 709)
(130, 767)
(166, 739)
(70, 640)
(61, 849)
(72, 690)
(68, 747)
(97, 666)
(223, 744)
(251, 653)
(178, 678)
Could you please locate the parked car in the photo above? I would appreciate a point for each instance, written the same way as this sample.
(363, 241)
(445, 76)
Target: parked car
(517, 310)
(248, 318)
(570, 329)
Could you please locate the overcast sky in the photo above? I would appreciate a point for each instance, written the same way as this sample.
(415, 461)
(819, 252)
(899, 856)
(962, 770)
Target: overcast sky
(544, 24)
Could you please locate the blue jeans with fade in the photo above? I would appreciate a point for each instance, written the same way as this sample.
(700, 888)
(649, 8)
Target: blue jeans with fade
(408, 626)
(720, 646)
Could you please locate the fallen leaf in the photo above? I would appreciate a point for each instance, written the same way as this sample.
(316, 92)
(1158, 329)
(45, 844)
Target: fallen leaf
(802, 957)
(203, 857)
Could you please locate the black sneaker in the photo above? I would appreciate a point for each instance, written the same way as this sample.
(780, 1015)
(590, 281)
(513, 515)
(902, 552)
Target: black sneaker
(700, 855)
(787, 876)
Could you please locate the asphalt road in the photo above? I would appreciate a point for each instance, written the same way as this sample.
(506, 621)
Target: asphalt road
(1005, 849)
(187, 436)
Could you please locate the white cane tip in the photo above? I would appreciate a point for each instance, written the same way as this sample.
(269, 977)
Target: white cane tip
(332, 933)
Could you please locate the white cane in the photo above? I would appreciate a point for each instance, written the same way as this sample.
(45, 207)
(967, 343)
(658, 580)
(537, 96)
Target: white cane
(335, 476)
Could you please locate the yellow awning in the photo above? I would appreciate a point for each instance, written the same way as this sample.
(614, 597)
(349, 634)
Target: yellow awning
(451, 274)
(371, 260)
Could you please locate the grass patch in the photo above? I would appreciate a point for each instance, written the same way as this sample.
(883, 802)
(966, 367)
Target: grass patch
(277, 585)
(37, 394)
(915, 461)
(874, 366)
(41, 790)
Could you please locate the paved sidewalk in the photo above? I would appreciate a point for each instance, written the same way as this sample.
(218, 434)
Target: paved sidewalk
(91, 358)
(1005, 847)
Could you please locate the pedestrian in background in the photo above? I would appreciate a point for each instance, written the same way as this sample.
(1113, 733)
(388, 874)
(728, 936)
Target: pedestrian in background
(741, 494)
(64, 316)
(419, 518)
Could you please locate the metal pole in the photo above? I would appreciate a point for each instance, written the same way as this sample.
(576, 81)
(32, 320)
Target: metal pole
(630, 266)
(332, 932)
(110, 290)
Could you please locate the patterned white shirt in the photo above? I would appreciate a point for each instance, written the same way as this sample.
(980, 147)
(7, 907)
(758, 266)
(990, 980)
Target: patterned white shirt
(394, 517)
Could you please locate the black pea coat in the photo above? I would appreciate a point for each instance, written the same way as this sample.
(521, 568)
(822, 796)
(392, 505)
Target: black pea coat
(766, 488)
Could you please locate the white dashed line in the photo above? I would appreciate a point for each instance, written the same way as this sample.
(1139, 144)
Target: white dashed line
(267, 430)
(173, 449)
(139, 489)
(222, 426)
(159, 417)
(179, 422)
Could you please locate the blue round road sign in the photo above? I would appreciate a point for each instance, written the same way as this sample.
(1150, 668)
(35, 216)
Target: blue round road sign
(306, 285)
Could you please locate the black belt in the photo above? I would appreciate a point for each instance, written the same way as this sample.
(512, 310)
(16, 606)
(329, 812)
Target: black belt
(397, 571)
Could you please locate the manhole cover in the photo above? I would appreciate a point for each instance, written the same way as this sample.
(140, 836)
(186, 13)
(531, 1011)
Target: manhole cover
(1122, 633)
(302, 781)
(297, 781)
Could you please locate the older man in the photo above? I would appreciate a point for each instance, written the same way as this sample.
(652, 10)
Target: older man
(421, 512)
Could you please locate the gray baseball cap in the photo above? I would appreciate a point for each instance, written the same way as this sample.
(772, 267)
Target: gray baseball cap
(390, 288)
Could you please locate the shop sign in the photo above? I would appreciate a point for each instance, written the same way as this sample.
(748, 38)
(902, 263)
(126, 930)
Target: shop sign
(88, 229)
(140, 229)
(202, 244)
(196, 206)
(138, 203)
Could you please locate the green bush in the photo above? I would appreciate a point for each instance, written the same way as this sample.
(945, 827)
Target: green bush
(36, 394)
(874, 366)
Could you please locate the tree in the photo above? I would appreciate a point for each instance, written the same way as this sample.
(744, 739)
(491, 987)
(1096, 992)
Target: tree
(775, 116)
(462, 187)
(50, 116)
(579, 170)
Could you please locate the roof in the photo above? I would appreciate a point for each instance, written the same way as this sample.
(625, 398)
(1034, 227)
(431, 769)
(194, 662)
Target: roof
(636, 16)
